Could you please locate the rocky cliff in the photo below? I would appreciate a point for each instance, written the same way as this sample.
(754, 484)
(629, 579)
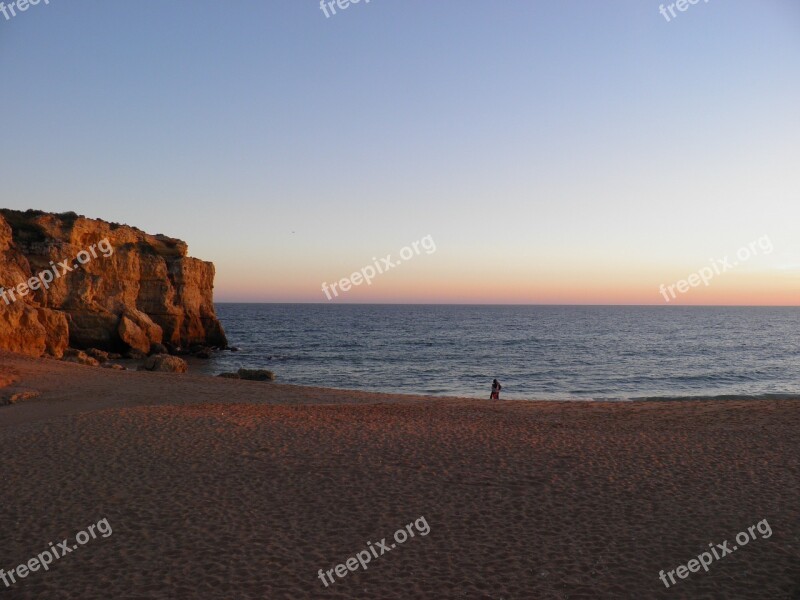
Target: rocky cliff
(111, 287)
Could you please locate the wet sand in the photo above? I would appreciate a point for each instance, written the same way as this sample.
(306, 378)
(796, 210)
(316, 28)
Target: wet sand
(221, 488)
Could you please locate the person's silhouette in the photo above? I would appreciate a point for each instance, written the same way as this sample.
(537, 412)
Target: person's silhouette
(496, 387)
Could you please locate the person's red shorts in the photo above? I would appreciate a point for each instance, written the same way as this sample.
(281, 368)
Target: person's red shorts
(495, 396)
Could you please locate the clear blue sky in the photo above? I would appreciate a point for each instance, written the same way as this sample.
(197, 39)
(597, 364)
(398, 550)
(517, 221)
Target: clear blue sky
(556, 151)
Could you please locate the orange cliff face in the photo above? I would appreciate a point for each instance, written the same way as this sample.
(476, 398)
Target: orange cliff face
(72, 281)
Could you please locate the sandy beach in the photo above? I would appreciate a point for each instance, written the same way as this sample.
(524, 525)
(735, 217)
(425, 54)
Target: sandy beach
(220, 488)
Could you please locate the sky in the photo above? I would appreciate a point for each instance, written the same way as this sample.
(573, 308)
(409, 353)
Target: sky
(560, 152)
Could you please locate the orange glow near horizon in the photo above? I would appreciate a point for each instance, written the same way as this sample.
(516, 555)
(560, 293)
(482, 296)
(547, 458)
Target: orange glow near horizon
(630, 288)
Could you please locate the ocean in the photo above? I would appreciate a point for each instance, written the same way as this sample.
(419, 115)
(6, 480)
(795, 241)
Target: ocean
(537, 352)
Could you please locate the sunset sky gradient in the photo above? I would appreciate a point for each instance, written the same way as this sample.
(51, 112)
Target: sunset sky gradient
(557, 152)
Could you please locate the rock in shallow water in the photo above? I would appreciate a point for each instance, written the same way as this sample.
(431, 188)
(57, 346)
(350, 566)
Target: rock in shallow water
(256, 375)
(164, 363)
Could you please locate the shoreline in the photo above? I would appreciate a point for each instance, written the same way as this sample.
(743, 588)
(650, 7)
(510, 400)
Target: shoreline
(30, 370)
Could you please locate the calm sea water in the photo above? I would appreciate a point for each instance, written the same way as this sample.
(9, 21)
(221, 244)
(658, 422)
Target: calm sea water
(547, 352)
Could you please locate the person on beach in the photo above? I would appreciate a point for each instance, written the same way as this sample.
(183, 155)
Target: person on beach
(496, 387)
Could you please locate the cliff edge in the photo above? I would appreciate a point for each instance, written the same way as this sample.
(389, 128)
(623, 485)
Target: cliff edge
(71, 281)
